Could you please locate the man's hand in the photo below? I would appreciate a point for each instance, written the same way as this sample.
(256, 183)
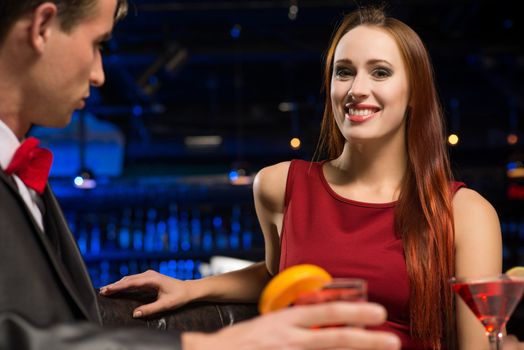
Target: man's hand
(291, 329)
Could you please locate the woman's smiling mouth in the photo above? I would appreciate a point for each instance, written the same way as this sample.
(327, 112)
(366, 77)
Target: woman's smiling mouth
(360, 113)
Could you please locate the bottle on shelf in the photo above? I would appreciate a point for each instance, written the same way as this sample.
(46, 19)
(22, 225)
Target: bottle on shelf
(138, 233)
(95, 236)
(207, 236)
(150, 237)
(236, 227)
(173, 228)
(111, 235)
(196, 230)
(221, 239)
(124, 234)
(185, 234)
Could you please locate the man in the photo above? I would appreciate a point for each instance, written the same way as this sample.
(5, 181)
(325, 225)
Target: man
(49, 57)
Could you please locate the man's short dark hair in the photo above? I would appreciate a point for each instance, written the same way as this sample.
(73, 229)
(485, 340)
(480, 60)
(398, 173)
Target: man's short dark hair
(70, 12)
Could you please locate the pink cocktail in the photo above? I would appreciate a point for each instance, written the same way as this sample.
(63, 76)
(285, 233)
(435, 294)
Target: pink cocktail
(492, 300)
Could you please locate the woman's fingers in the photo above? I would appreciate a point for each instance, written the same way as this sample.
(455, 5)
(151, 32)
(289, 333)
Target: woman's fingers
(148, 279)
(161, 305)
(169, 291)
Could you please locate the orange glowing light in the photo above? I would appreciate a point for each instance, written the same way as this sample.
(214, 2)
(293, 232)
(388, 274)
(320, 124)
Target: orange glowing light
(512, 139)
(295, 143)
(453, 139)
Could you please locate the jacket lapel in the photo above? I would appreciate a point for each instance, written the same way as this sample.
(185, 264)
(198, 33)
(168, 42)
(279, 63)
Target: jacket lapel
(76, 273)
(60, 246)
(14, 189)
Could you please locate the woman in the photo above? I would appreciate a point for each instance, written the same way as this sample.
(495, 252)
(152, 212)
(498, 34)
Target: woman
(383, 206)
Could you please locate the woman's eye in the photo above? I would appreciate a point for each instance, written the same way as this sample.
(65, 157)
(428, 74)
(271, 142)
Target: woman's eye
(381, 73)
(343, 72)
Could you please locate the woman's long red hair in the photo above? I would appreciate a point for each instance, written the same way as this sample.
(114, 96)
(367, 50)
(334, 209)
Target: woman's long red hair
(423, 214)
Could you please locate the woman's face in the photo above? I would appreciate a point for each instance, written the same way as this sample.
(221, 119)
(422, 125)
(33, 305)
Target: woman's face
(369, 86)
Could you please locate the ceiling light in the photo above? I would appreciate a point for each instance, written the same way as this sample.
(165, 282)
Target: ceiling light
(85, 180)
(453, 139)
(512, 139)
(295, 143)
(203, 141)
(287, 106)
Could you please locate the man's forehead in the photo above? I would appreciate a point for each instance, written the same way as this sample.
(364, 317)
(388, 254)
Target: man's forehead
(102, 16)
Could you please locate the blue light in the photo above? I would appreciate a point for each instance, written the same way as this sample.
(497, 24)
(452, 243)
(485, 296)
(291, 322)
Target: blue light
(235, 31)
(512, 166)
(217, 221)
(233, 175)
(95, 240)
(247, 240)
(124, 237)
(124, 269)
(207, 240)
(137, 111)
(82, 241)
(79, 181)
(138, 239)
(185, 246)
(235, 226)
(234, 240)
(164, 268)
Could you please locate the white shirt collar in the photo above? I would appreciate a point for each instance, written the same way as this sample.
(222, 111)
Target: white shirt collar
(8, 145)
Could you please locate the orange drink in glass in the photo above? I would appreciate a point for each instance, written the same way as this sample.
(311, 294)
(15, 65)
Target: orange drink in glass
(339, 289)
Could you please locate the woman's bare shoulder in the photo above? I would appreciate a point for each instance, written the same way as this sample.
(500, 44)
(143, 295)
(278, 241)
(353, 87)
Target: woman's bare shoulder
(475, 218)
(470, 201)
(269, 186)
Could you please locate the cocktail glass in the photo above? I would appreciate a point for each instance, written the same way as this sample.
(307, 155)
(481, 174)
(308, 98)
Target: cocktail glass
(492, 300)
(339, 289)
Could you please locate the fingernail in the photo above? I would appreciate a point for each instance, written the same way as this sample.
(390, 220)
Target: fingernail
(103, 290)
(137, 314)
(393, 342)
(378, 312)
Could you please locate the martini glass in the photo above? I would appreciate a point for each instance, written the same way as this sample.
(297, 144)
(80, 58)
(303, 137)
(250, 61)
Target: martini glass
(492, 300)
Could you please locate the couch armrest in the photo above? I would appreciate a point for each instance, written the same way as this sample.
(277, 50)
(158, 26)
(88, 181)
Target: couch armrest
(200, 317)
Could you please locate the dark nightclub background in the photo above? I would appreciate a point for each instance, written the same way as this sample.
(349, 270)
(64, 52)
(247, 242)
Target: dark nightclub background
(202, 94)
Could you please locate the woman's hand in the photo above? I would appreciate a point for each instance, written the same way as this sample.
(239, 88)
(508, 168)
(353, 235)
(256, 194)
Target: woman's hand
(171, 293)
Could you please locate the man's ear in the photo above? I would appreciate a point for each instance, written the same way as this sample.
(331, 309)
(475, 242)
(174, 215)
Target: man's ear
(43, 22)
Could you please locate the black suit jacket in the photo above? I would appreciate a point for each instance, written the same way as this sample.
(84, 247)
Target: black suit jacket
(46, 297)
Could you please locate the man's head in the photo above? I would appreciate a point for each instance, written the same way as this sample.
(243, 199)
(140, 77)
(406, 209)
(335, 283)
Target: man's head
(70, 12)
(50, 56)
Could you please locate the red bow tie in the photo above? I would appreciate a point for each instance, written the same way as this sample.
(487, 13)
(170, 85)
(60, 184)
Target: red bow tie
(31, 164)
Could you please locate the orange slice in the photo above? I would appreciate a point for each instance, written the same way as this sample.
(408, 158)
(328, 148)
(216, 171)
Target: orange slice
(517, 271)
(285, 287)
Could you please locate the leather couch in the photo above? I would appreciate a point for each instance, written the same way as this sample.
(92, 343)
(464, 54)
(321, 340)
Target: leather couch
(202, 317)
